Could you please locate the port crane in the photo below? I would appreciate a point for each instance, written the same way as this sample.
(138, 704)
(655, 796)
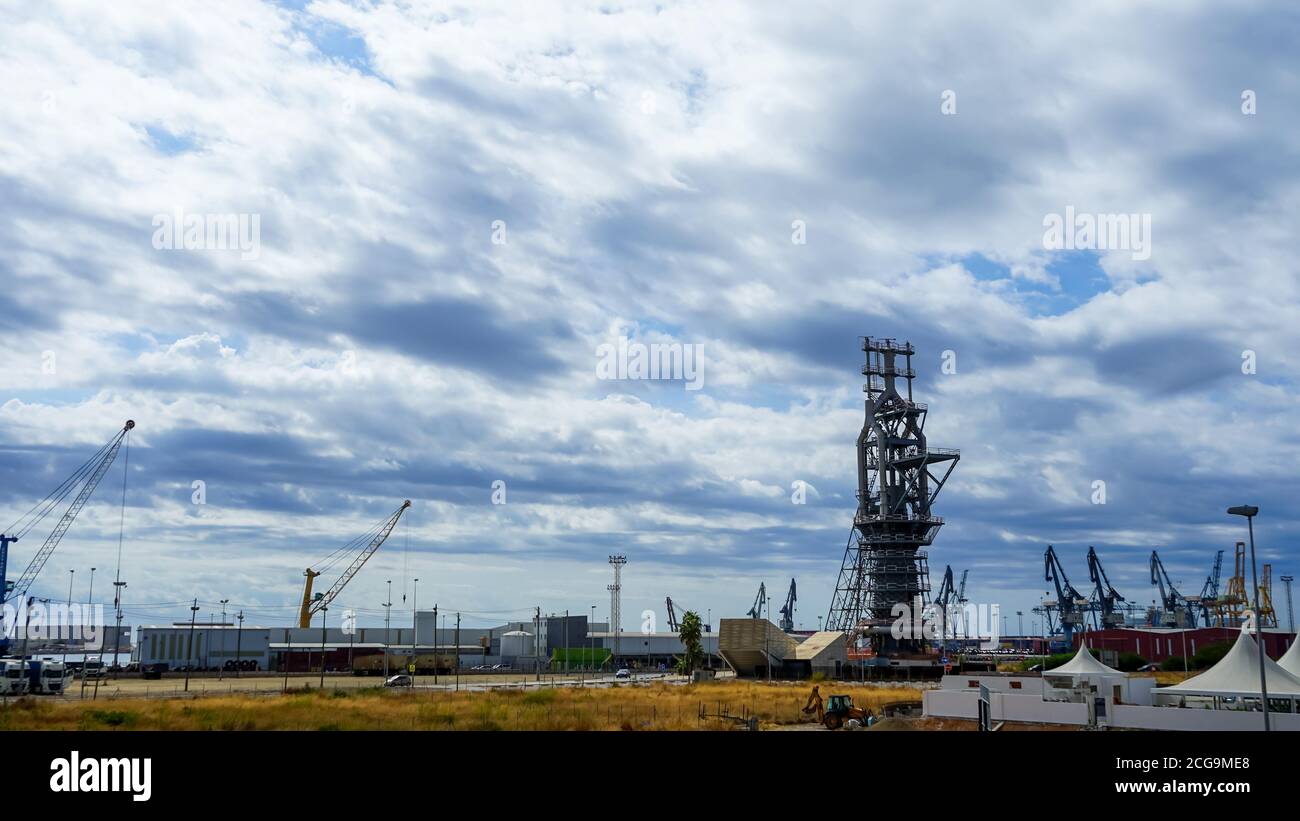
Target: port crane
(945, 597)
(1210, 590)
(311, 605)
(86, 478)
(760, 601)
(674, 623)
(961, 604)
(1107, 601)
(1176, 611)
(1070, 603)
(787, 610)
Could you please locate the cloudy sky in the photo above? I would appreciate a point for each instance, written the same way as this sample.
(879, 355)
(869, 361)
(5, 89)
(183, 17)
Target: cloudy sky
(456, 205)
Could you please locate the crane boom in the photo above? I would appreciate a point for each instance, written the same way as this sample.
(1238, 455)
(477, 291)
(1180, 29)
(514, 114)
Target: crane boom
(787, 610)
(56, 535)
(311, 607)
(1069, 602)
(756, 612)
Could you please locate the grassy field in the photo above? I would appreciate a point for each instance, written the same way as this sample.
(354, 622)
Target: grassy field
(646, 707)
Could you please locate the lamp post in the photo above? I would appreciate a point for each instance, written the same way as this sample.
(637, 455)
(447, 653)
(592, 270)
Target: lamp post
(323, 631)
(239, 641)
(222, 674)
(388, 611)
(194, 611)
(1290, 610)
(415, 610)
(1250, 512)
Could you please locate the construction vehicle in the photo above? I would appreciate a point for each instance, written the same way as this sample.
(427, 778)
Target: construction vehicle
(760, 601)
(1069, 603)
(83, 480)
(787, 610)
(838, 712)
(1106, 600)
(311, 605)
(1176, 611)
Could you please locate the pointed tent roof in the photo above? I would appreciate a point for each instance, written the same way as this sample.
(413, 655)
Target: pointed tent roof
(1083, 663)
(1237, 673)
(1290, 660)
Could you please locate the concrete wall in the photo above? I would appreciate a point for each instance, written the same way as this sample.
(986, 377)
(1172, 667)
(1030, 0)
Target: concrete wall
(1180, 718)
(1003, 707)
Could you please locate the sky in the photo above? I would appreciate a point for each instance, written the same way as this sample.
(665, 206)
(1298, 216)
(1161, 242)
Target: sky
(449, 209)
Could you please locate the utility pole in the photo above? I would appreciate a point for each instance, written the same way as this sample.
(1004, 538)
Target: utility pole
(591, 632)
(415, 610)
(388, 610)
(288, 638)
(221, 674)
(566, 640)
(537, 644)
(1290, 611)
(119, 586)
(72, 574)
(90, 603)
(189, 650)
(323, 631)
(435, 643)
(458, 651)
(239, 641)
(616, 602)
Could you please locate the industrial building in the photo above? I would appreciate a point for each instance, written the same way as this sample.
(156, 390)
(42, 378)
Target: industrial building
(523, 645)
(757, 647)
(1155, 644)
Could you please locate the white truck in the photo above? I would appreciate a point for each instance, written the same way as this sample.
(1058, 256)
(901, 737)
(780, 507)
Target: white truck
(47, 677)
(13, 682)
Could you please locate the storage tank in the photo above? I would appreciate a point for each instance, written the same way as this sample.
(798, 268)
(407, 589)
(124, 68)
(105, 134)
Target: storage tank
(516, 644)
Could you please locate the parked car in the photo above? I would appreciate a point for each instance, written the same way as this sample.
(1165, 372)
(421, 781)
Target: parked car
(623, 672)
(399, 680)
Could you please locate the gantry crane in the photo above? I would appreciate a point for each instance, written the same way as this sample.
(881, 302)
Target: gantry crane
(1106, 599)
(760, 601)
(1266, 616)
(87, 478)
(1176, 610)
(787, 610)
(961, 605)
(1070, 603)
(1229, 608)
(1210, 591)
(313, 605)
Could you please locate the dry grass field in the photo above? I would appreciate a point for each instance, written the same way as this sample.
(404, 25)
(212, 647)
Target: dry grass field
(645, 707)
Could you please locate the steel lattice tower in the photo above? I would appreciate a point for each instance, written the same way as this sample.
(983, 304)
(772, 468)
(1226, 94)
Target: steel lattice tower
(615, 600)
(884, 563)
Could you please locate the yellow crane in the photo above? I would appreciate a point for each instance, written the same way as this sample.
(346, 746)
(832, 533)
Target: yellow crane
(311, 605)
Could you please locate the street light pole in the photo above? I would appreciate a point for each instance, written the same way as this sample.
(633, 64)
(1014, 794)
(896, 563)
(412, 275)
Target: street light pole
(189, 649)
(323, 631)
(1250, 512)
(1290, 611)
(239, 641)
(221, 675)
(415, 611)
(388, 611)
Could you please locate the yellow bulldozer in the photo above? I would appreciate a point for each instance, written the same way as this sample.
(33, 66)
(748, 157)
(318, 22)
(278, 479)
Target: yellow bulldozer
(838, 712)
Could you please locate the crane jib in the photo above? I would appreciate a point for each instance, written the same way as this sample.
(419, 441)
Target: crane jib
(52, 541)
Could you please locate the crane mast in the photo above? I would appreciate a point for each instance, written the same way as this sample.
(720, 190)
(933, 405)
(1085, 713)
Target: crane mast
(311, 606)
(1069, 602)
(1107, 598)
(1177, 611)
(756, 612)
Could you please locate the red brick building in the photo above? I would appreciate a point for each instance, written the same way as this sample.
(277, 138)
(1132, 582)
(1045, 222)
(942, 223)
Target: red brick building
(1156, 644)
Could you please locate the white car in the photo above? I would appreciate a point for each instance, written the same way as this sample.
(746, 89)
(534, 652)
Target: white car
(623, 672)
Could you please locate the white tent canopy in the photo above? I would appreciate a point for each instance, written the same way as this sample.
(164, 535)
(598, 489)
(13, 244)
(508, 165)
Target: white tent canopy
(1083, 664)
(1290, 660)
(1237, 674)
